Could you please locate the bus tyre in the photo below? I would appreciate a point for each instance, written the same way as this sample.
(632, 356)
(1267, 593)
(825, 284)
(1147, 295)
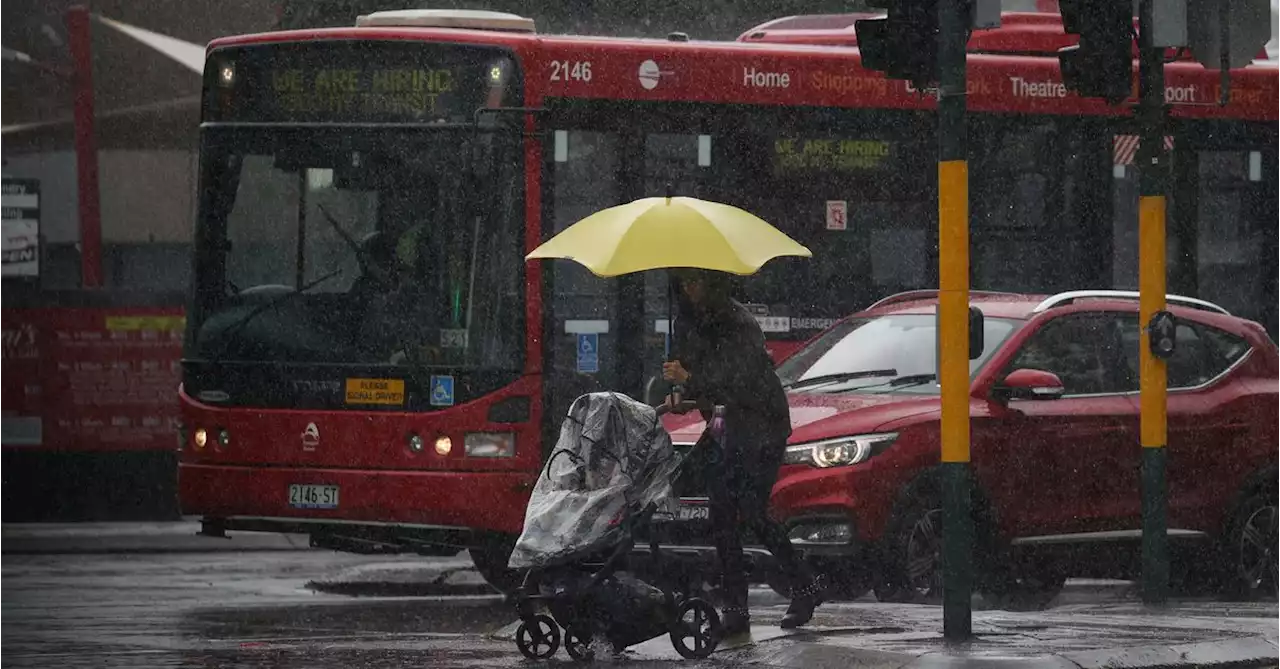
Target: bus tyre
(490, 560)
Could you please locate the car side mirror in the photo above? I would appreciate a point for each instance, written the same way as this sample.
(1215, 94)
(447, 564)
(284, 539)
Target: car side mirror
(1029, 384)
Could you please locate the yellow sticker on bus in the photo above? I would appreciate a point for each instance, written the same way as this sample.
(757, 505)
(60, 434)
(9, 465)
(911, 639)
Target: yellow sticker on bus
(375, 391)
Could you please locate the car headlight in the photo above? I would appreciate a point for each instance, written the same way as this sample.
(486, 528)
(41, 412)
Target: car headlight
(839, 452)
(490, 444)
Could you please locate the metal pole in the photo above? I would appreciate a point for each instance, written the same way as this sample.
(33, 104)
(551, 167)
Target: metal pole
(79, 36)
(953, 322)
(1151, 285)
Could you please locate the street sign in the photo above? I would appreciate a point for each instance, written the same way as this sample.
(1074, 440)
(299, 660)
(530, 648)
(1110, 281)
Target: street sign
(588, 353)
(21, 228)
(1247, 31)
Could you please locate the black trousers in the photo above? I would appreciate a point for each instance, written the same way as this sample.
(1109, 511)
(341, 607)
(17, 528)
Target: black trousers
(740, 472)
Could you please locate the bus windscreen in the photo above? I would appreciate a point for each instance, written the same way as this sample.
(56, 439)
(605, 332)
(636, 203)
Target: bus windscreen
(357, 82)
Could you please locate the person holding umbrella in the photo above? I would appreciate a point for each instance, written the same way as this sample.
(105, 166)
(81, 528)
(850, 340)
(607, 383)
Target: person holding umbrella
(722, 361)
(719, 356)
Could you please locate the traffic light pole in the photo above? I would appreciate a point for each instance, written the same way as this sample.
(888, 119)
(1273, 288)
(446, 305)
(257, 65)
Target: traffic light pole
(953, 317)
(1151, 284)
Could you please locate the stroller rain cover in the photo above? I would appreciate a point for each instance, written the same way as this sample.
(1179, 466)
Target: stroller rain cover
(612, 458)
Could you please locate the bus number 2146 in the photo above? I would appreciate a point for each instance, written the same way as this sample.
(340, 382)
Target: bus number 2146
(578, 70)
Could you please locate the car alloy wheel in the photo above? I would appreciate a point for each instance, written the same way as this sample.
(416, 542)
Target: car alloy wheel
(1255, 547)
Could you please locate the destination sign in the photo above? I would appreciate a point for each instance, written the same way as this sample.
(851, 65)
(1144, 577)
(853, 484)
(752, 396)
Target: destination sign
(348, 92)
(393, 82)
(827, 155)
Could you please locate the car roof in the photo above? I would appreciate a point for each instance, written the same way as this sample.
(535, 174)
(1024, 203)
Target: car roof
(1023, 306)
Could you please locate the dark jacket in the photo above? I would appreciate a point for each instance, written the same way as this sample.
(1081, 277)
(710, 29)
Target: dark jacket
(728, 364)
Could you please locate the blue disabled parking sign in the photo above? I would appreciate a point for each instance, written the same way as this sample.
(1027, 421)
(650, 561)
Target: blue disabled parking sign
(588, 353)
(442, 391)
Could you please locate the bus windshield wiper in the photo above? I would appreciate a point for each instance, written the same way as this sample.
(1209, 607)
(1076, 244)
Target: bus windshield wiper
(233, 330)
(839, 377)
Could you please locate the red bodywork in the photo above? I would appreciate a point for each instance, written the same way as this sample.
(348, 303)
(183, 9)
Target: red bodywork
(366, 454)
(1060, 466)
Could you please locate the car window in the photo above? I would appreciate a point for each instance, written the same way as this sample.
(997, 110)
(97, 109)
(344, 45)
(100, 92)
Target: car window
(1085, 351)
(1203, 352)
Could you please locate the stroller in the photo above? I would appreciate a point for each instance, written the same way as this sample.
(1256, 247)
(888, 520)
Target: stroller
(610, 474)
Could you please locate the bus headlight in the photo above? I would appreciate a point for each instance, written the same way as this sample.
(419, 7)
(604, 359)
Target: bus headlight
(201, 438)
(490, 444)
(839, 452)
(444, 445)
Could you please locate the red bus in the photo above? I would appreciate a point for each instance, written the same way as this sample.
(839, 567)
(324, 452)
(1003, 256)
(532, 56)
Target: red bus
(370, 360)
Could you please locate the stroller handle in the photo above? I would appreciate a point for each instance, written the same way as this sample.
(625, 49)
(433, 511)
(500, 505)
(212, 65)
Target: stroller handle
(685, 407)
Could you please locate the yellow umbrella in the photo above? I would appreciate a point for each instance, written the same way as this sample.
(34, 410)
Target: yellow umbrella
(670, 232)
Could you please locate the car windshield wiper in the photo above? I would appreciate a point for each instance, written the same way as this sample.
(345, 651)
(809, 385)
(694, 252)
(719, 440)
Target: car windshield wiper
(839, 377)
(903, 381)
(911, 380)
(233, 331)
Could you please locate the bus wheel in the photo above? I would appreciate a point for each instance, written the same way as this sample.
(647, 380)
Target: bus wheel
(490, 560)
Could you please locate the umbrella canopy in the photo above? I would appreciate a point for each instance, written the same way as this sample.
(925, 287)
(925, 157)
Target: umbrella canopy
(670, 232)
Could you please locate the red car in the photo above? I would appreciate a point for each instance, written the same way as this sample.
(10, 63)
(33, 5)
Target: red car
(1054, 442)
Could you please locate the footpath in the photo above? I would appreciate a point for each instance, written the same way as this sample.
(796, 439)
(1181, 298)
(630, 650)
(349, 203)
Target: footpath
(1078, 636)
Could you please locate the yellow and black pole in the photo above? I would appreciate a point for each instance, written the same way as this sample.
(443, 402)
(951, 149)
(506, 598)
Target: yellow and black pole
(1151, 286)
(953, 320)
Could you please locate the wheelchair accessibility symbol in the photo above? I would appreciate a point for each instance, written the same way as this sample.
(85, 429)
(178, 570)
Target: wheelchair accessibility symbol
(442, 391)
(588, 353)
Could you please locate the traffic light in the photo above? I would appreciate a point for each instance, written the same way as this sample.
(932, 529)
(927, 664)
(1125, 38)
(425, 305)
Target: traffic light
(903, 45)
(1101, 65)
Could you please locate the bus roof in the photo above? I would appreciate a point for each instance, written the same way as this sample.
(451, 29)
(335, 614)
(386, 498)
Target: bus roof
(770, 73)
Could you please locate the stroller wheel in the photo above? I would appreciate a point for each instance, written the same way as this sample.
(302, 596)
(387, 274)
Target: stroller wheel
(578, 644)
(696, 631)
(539, 640)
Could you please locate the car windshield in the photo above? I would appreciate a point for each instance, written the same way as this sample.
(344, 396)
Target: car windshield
(893, 353)
(385, 247)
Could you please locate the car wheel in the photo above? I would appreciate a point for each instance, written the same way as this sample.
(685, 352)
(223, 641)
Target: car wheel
(911, 553)
(1250, 543)
(491, 559)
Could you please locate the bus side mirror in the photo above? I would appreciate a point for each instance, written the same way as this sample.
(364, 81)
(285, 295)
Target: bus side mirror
(976, 333)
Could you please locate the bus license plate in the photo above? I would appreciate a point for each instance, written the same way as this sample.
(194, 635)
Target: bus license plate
(690, 512)
(313, 496)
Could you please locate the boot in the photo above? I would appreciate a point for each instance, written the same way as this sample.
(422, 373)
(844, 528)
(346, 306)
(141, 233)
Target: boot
(803, 602)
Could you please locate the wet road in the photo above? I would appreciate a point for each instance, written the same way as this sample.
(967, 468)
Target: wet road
(230, 610)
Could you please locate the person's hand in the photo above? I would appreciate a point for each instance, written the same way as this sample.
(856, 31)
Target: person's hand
(674, 372)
